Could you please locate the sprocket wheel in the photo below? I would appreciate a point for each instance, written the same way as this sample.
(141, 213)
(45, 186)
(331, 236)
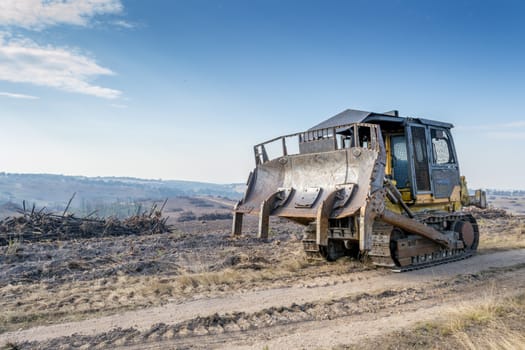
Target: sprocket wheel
(466, 233)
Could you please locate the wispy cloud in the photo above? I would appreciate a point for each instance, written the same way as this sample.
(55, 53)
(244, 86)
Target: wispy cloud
(514, 130)
(24, 61)
(124, 24)
(118, 105)
(39, 14)
(20, 96)
(507, 135)
(518, 124)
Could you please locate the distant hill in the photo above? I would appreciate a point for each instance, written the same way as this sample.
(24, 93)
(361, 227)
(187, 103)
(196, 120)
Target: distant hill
(54, 191)
(512, 193)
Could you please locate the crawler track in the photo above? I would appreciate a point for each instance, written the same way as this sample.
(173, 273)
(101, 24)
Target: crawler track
(433, 263)
(384, 248)
(385, 240)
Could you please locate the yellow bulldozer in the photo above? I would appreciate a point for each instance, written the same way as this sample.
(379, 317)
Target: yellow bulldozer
(373, 185)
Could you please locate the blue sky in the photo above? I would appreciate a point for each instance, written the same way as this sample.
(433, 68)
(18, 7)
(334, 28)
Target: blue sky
(183, 89)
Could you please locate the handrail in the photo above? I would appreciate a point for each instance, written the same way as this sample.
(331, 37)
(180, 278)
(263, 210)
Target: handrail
(325, 133)
(303, 132)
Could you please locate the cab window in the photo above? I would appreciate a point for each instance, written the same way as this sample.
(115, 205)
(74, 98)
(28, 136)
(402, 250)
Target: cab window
(441, 147)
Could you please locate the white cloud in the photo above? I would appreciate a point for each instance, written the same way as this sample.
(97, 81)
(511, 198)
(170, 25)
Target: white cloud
(124, 24)
(38, 14)
(118, 105)
(518, 124)
(514, 130)
(21, 96)
(507, 135)
(493, 127)
(23, 61)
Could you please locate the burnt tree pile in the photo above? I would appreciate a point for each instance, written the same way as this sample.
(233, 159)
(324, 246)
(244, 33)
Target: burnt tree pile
(32, 226)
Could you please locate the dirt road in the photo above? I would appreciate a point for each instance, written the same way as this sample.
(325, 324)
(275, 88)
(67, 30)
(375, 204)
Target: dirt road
(325, 312)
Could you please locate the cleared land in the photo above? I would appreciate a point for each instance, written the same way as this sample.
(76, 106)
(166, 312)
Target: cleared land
(199, 288)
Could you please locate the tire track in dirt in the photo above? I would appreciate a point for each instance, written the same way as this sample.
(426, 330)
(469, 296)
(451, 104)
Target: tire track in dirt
(352, 330)
(248, 305)
(252, 329)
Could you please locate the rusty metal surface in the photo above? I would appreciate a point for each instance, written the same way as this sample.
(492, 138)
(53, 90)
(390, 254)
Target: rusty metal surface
(416, 227)
(310, 178)
(307, 197)
(466, 232)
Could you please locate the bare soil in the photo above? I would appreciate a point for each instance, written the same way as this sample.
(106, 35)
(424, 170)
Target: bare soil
(198, 288)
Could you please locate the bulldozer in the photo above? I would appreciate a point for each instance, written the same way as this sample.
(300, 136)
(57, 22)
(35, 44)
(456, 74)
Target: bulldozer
(375, 186)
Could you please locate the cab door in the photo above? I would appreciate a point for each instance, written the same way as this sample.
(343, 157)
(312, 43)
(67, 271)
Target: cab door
(419, 158)
(400, 168)
(444, 165)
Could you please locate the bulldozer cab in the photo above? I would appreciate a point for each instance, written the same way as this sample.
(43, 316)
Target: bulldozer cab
(421, 159)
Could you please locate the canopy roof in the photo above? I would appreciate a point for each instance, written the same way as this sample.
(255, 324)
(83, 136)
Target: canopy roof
(350, 116)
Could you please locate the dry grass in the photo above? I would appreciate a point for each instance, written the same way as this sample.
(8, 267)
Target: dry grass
(489, 308)
(502, 234)
(13, 247)
(494, 323)
(501, 242)
(230, 276)
(498, 337)
(29, 305)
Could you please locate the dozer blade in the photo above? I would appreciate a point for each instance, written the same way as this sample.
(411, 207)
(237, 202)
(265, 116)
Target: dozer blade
(295, 186)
